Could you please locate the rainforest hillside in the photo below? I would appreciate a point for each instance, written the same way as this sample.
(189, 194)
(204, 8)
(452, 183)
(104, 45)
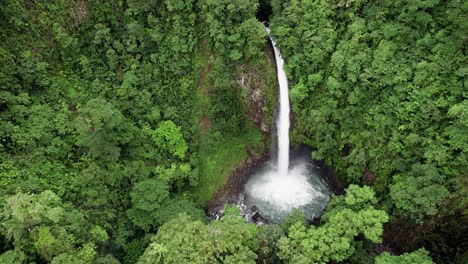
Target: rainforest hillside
(121, 120)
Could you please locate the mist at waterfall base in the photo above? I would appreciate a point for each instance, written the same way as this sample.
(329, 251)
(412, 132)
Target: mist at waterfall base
(276, 196)
(285, 184)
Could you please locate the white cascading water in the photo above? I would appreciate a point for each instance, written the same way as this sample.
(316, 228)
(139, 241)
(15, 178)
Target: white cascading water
(283, 116)
(280, 188)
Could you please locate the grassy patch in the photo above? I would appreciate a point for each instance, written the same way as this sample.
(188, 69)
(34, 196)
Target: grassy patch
(218, 156)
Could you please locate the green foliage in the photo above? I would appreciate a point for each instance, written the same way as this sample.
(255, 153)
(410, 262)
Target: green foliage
(13, 257)
(152, 206)
(100, 129)
(346, 218)
(227, 108)
(421, 195)
(49, 245)
(108, 259)
(268, 235)
(296, 216)
(43, 224)
(85, 255)
(231, 75)
(134, 249)
(177, 173)
(169, 138)
(112, 124)
(25, 212)
(232, 28)
(97, 122)
(363, 253)
(218, 156)
(147, 198)
(174, 207)
(184, 240)
(420, 256)
(97, 100)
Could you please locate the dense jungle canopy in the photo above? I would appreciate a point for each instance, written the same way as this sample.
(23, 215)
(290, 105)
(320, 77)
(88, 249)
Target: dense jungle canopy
(121, 119)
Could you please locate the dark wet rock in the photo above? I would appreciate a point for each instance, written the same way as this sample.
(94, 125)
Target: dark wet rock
(257, 217)
(314, 221)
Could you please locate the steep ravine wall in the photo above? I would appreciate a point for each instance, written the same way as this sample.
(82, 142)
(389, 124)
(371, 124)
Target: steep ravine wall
(259, 88)
(226, 160)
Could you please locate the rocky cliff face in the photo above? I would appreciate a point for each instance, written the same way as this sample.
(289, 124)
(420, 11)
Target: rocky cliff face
(259, 88)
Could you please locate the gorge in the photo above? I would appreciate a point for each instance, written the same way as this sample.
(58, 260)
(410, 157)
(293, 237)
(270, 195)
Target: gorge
(124, 125)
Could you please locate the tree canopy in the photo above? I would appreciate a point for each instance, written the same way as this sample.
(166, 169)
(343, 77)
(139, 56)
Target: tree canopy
(345, 218)
(230, 240)
(120, 120)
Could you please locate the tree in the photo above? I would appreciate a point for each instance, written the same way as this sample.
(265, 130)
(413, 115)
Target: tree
(227, 107)
(44, 225)
(420, 256)
(297, 215)
(84, 255)
(268, 236)
(168, 137)
(345, 218)
(173, 207)
(186, 241)
(13, 257)
(232, 28)
(419, 196)
(101, 130)
(147, 199)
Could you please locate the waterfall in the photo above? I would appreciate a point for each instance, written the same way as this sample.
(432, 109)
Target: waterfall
(282, 122)
(278, 187)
